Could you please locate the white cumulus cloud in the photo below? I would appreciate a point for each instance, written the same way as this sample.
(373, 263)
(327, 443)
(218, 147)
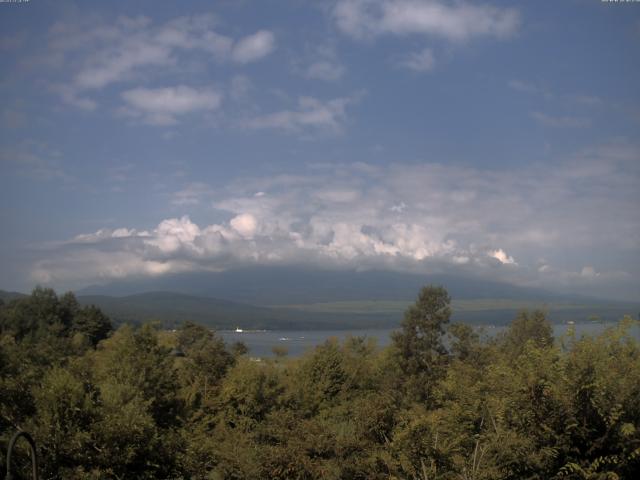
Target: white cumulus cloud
(98, 54)
(311, 113)
(160, 106)
(502, 257)
(254, 47)
(245, 224)
(456, 21)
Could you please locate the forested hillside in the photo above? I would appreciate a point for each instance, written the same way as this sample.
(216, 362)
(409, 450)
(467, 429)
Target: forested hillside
(147, 403)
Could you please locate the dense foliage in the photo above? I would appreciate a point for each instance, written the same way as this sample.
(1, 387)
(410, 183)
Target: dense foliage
(438, 403)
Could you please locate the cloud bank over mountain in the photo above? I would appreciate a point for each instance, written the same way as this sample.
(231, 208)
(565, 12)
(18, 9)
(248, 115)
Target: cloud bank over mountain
(517, 225)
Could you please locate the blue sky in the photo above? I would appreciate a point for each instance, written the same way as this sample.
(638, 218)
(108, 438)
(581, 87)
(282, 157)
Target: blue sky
(495, 139)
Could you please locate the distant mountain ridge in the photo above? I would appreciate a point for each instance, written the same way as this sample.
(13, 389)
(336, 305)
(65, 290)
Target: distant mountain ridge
(293, 298)
(281, 285)
(8, 296)
(172, 309)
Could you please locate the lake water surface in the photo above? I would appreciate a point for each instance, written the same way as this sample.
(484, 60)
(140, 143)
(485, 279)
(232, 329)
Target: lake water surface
(296, 342)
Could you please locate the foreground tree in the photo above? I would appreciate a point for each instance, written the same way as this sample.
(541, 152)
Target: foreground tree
(420, 353)
(43, 315)
(205, 360)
